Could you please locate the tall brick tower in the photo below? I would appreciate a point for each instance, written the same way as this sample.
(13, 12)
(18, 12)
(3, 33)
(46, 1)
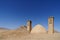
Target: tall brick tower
(51, 25)
(29, 26)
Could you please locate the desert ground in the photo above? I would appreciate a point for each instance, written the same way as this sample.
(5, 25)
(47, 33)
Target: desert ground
(22, 34)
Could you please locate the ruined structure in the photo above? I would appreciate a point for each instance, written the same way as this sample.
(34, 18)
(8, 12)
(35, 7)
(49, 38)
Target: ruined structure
(38, 29)
(29, 26)
(50, 25)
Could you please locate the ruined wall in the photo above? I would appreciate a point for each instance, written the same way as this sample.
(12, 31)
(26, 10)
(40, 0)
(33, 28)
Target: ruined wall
(29, 25)
(50, 25)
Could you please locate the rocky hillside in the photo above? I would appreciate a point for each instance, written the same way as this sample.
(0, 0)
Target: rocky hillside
(14, 33)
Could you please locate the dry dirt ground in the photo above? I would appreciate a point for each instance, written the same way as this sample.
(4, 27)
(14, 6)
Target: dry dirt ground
(22, 34)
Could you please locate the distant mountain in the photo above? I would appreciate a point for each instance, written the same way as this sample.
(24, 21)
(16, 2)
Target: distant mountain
(56, 31)
(3, 30)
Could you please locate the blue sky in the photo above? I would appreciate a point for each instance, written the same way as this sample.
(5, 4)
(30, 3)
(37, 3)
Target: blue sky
(14, 13)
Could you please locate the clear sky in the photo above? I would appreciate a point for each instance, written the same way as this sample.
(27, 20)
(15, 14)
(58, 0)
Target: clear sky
(14, 13)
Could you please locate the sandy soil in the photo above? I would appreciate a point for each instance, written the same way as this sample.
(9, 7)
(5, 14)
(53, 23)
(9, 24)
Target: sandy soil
(55, 36)
(22, 34)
